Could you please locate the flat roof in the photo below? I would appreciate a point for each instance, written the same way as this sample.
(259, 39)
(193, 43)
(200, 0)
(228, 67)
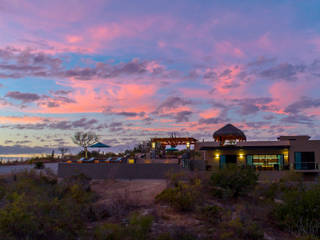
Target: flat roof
(175, 140)
(246, 145)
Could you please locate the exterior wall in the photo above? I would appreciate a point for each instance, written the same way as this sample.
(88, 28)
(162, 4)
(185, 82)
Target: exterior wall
(304, 146)
(213, 159)
(117, 171)
(286, 145)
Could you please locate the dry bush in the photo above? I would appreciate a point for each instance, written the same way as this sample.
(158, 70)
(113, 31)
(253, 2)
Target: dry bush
(233, 181)
(300, 211)
(122, 203)
(238, 229)
(182, 196)
(138, 228)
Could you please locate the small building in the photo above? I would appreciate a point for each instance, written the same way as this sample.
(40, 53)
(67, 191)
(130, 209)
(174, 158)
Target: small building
(230, 145)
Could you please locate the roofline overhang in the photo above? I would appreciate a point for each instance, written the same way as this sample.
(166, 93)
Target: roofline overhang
(244, 147)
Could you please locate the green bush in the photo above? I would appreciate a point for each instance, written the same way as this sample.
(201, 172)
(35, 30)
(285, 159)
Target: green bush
(241, 229)
(182, 197)
(268, 191)
(38, 207)
(109, 231)
(233, 181)
(300, 211)
(38, 165)
(308, 237)
(139, 226)
(211, 214)
(137, 229)
(177, 234)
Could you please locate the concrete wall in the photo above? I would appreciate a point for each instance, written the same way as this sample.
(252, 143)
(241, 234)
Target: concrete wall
(117, 171)
(197, 165)
(304, 146)
(213, 156)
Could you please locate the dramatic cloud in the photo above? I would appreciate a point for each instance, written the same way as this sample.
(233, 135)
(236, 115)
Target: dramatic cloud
(210, 120)
(303, 104)
(253, 105)
(182, 116)
(300, 119)
(82, 123)
(283, 71)
(172, 103)
(135, 73)
(23, 97)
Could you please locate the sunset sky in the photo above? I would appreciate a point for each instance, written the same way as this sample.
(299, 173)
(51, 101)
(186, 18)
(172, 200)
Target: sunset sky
(131, 70)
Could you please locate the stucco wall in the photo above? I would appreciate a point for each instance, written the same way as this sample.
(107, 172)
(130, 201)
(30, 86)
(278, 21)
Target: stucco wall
(304, 146)
(117, 171)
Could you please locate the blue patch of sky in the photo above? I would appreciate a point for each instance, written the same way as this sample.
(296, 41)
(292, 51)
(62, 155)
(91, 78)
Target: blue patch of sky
(30, 85)
(307, 15)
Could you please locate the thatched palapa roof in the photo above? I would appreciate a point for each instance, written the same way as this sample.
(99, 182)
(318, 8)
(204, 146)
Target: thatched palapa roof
(229, 132)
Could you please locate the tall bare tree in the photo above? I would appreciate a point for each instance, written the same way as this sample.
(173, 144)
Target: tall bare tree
(63, 151)
(85, 139)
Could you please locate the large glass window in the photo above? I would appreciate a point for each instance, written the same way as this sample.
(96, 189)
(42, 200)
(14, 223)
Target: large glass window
(304, 161)
(265, 161)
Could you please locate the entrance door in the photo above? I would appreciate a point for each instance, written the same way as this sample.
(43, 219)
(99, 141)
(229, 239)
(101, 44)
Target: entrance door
(231, 159)
(227, 159)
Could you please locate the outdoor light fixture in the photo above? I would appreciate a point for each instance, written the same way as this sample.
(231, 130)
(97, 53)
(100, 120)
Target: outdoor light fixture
(188, 144)
(217, 155)
(241, 155)
(153, 145)
(285, 154)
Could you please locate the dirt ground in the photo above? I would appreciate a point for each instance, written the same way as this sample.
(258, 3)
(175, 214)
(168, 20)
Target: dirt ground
(141, 192)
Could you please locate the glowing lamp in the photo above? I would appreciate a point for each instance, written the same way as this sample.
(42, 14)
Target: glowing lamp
(188, 144)
(153, 145)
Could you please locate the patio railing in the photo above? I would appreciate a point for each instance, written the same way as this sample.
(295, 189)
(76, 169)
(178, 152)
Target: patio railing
(306, 166)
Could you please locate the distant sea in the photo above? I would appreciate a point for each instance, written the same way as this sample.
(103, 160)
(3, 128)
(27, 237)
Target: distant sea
(5, 158)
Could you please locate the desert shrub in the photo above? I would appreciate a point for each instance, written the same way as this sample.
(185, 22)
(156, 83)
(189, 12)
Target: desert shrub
(211, 214)
(39, 165)
(291, 176)
(240, 229)
(178, 233)
(138, 229)
(38, 207)
(139, 226)
(174, 178)
(233, 181)
(308, 237)
(182, 196)
(122, 203)
(300, 211)
(109, 231)
(268, 191)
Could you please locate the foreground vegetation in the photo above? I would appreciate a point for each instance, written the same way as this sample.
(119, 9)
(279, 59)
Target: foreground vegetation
(225, 204)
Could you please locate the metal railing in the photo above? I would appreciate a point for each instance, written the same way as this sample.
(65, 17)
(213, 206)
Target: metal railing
(306, 166)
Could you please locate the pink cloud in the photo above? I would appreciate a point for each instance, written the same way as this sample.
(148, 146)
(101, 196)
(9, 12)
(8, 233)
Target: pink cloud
(285, 93)
(227, 48)
(97, 95)
(23, 119)
(210, 113)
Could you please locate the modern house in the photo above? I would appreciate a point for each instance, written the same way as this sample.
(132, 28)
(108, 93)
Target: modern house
(230, 145)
